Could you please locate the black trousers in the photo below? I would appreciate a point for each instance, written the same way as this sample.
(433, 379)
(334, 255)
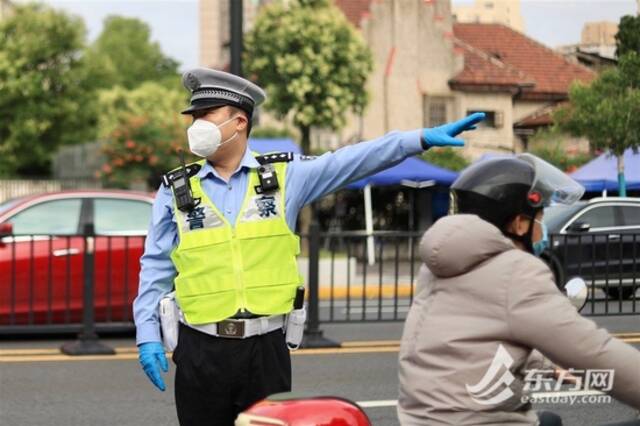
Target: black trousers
(218, 378)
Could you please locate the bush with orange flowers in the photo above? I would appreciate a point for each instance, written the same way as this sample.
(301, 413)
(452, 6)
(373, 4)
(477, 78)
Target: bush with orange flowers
(140, 150)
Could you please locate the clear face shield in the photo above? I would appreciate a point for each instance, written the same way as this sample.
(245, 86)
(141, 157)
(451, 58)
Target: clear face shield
(554, 186)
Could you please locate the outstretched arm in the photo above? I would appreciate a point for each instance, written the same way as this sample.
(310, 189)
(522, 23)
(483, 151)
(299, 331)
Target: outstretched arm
(311, 179)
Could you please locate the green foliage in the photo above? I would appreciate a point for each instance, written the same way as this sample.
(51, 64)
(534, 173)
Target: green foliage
(46, 91)
(448, 158)
(124, 55)
(311, 62)
(143, 130)
(271, 132)
(549, 144)
(607, 111)
(628, 36)
(141, 149)
(151, 100)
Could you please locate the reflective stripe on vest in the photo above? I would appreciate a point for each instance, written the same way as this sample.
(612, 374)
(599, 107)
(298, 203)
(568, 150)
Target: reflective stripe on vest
(250, 266)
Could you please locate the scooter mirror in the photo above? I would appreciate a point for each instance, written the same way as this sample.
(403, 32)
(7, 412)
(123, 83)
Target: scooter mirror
(576, 291)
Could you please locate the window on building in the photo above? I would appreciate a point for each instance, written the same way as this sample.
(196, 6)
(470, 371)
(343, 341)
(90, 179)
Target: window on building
(493, 120)
(435, 111)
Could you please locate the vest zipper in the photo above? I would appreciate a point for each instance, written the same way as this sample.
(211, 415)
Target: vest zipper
(238, 271)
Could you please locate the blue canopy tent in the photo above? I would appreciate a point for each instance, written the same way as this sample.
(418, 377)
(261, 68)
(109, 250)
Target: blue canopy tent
(601, 173)
(264, 145)
(410, 170)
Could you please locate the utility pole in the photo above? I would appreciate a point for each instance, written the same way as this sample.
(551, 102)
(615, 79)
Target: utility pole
(235, 30)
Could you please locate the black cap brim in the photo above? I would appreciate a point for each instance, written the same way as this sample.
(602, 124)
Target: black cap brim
(202, 104)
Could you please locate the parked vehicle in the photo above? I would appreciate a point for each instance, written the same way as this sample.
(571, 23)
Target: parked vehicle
(599, 240)
(42, 255)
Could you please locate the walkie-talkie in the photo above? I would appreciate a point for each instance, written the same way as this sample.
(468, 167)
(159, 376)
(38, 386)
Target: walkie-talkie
(182, 188)
(298, 302)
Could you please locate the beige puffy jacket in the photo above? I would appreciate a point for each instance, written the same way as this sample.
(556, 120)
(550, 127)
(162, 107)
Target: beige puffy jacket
(477, 291)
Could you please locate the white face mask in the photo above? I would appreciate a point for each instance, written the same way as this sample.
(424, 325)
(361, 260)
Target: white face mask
(205, 137)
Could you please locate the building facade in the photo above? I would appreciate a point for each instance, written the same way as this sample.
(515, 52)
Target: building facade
(429, 69)
(506, 12)
(6, 8)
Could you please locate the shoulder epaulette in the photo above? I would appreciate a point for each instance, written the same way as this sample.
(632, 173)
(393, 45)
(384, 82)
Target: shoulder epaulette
(276, 157)
(192, 170)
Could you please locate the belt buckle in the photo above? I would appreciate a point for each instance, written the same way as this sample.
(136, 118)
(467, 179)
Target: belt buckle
(231, 328)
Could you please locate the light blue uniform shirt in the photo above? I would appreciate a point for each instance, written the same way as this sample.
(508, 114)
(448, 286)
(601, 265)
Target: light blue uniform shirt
(306, 181)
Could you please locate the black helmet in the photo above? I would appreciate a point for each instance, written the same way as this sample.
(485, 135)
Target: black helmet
(499, 189)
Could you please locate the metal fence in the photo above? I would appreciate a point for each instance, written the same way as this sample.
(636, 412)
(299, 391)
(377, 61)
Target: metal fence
(364, 277)
(13, 188)
(609, 264)
(52, 283)
(87, 283)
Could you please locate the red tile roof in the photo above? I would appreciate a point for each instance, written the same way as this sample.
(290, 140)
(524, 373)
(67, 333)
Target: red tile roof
(354, 10)
(549, 71)
(482, 69)
(538, 118)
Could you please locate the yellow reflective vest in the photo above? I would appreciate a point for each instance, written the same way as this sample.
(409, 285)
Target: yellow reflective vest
(250, 265)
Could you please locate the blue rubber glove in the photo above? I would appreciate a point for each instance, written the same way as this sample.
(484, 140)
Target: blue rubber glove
(445, 135)
(152, 358)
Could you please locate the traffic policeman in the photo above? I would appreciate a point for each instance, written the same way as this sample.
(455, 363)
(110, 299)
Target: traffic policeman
(230, 249)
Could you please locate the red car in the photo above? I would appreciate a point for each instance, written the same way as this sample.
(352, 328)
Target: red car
(42, 255)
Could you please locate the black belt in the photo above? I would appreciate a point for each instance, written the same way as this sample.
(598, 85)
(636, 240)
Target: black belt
(245, 315)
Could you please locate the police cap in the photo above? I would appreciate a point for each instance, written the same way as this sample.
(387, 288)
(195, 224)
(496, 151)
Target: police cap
(212, 88)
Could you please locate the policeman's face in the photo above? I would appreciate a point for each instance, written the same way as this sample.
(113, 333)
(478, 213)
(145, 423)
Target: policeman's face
(219, 115)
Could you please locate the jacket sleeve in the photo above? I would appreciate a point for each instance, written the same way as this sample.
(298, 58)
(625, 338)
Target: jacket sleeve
(541, 317)
(308, 180)
(537, 361)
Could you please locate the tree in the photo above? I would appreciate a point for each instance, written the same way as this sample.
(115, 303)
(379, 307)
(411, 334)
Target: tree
(447, 158)
(151, 99)
(607, 111)
(124, 55)
(628, 36)
(142, 131)
(141, 150)
(311, 61)
(46, 91)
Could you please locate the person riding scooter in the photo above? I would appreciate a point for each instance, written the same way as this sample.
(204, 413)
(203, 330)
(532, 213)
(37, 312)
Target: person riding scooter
(486, 306)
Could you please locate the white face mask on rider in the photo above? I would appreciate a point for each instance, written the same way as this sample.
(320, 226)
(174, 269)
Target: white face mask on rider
(205, 137)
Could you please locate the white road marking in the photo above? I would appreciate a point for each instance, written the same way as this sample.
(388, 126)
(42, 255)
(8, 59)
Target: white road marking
(377, 404)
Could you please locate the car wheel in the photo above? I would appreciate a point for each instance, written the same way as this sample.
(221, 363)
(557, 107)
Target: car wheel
(615, 292)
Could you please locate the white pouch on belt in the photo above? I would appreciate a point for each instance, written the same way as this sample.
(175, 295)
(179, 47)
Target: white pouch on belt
(169, 321)
(295, 327)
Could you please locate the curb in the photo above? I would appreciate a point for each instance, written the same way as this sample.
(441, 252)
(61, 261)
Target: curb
(368, 291)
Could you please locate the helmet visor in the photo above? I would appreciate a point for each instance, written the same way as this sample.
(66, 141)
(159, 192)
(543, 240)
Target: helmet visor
(554, 185)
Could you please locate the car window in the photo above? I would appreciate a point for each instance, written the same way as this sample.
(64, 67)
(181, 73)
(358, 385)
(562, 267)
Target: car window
(600, 217)
(631, 215)
(557, 215)
(121, 217)
(58, 217)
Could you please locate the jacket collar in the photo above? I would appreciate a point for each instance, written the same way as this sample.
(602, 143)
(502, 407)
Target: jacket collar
(248, 162)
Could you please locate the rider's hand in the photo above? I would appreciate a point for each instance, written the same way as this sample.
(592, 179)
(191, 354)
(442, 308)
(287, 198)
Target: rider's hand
(445, 135)
(152, 359)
